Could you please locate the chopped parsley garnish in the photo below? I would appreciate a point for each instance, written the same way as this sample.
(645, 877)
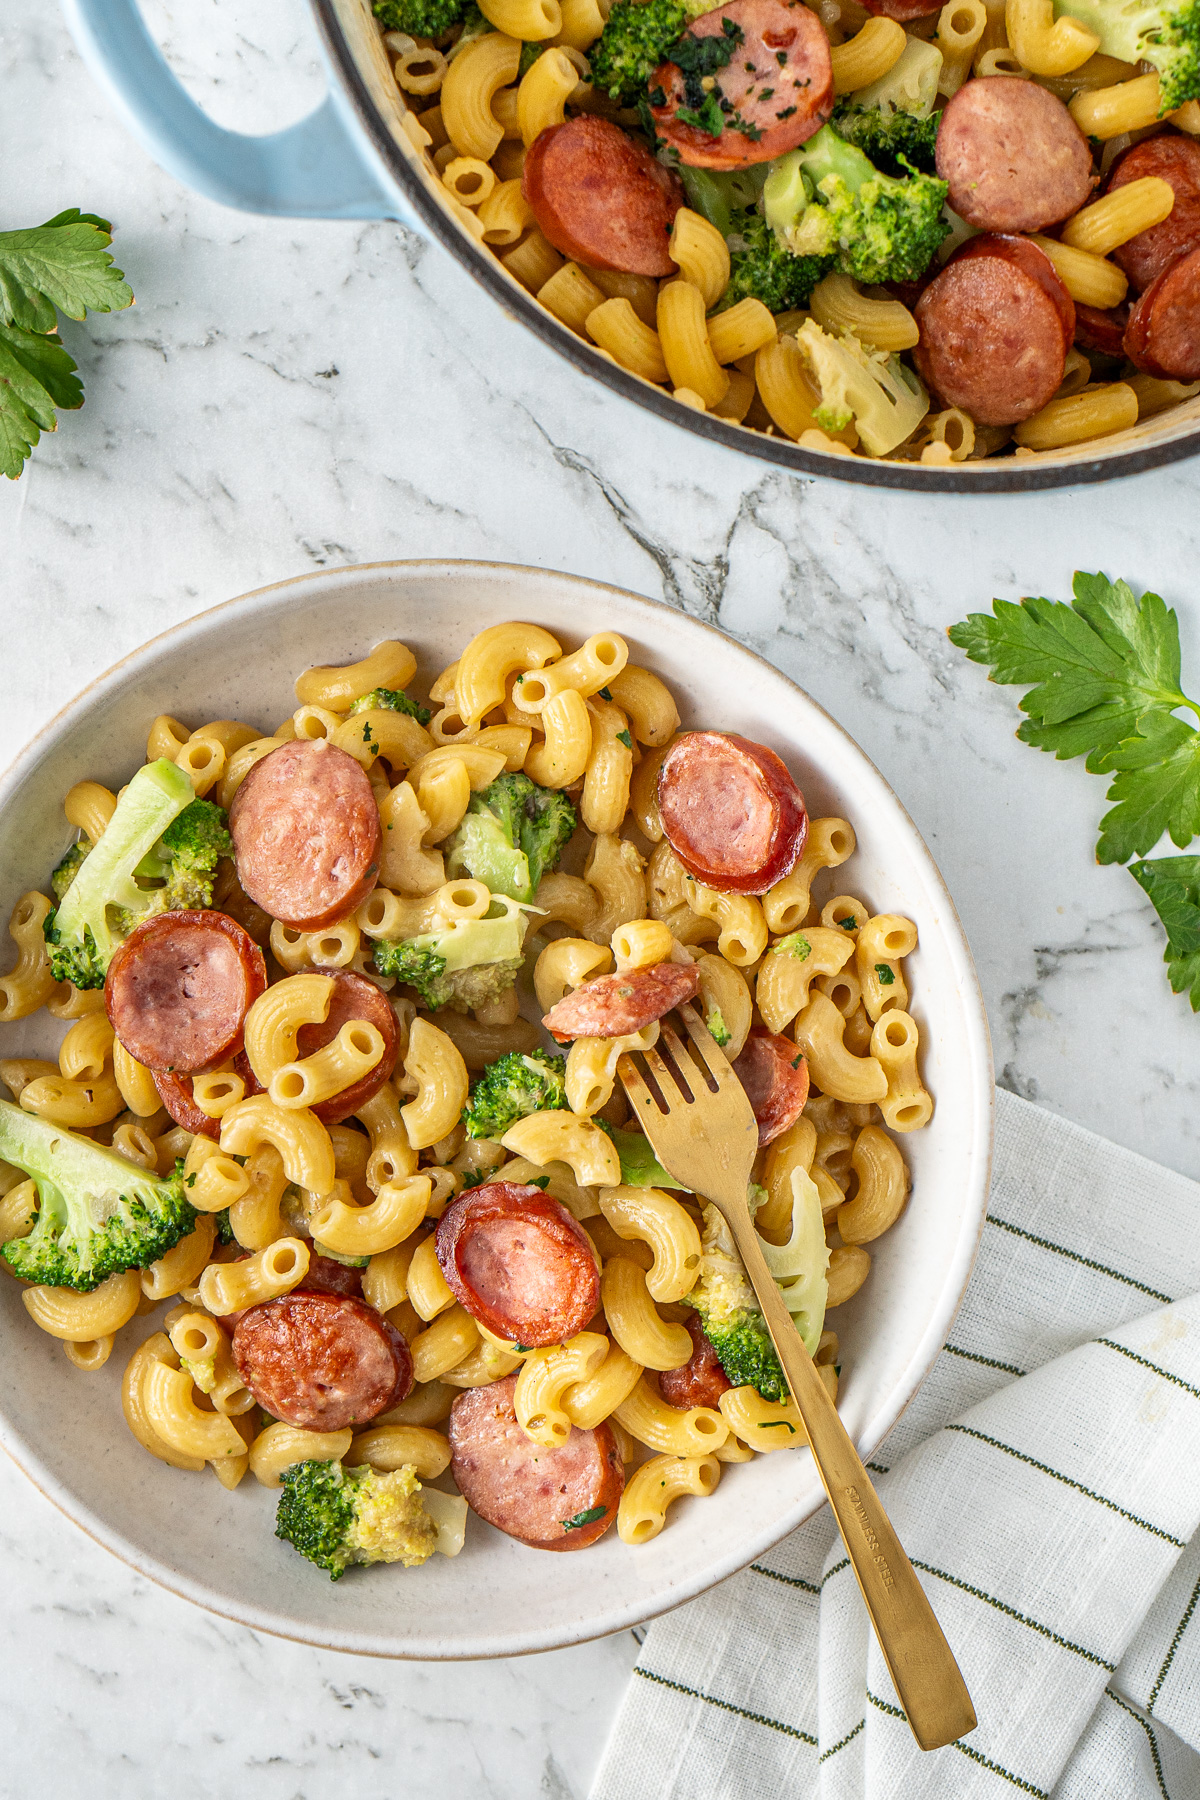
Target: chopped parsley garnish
(623, 737)
(849, 923)
(584, 1518)
(708, 117)
(886, 974)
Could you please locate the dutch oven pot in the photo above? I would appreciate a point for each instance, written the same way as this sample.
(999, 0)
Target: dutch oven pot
(353, 159)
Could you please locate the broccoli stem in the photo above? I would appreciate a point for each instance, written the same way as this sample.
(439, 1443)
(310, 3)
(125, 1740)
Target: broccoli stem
(826, 153)
(154, 798)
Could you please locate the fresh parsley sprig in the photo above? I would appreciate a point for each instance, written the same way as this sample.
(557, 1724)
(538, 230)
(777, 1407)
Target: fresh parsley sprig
(1104, 675)
(1172, 884)
(61, 266)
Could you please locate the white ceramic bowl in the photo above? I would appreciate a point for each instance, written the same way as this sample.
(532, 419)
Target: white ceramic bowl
(497, 1598)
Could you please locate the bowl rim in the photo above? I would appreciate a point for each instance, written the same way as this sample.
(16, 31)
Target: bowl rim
(1010, 475)
(981, 1127)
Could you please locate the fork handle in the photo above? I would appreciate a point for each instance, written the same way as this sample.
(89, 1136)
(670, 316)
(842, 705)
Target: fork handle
(920, 1661)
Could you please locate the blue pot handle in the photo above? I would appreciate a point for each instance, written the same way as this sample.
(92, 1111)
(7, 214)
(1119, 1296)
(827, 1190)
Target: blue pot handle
(321, 168)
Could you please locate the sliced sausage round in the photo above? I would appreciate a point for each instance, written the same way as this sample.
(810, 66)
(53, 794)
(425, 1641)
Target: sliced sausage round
(1163, 334)
(179, 988)
(774, 91)
(560, 1499)
(995, 327)
(775, 1076)
(730, 811)
(614, 1005)
(519, 1263)
(306, 834)
(701, 1381)
(325, 1275)
(903, 11)
(321, 1361)
(1013, 156)
(1177, 161)
(175, 1092)
(353, 997)
(1099, 330)
(601, 198)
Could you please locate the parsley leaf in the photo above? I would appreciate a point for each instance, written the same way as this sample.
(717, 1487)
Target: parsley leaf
(63, 264)
(584, 1518)
(1098, 665)
(885, 973)
(1172, 884)
(1105, 675)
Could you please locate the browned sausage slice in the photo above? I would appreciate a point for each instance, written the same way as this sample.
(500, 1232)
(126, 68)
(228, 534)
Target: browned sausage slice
(179, 988)
(775, 91)
(600, 198)
(903, 11)
(1099, 330)
(1013, 156)
(353, 997)
(321, 1361)
(995, 326)
(614, 1005)
(519, 1263)
(306, 834)
(775, 1076)
(1163, 334)
(1175, 160)
(175, 1092)
(560, 1499)
(731, 811)
(701, 1381)
(325, 1275)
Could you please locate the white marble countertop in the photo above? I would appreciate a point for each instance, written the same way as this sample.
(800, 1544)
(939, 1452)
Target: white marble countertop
(286, 396)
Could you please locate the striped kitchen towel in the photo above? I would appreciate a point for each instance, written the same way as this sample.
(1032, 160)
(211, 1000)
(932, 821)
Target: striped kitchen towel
(1045, 1482)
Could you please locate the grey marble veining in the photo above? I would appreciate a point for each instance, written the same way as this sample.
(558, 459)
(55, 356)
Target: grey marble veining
(287, 396)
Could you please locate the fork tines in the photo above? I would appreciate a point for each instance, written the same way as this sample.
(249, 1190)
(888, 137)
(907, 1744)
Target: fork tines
(676, 1070)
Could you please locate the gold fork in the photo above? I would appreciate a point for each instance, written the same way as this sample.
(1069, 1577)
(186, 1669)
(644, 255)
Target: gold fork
(703, 1131)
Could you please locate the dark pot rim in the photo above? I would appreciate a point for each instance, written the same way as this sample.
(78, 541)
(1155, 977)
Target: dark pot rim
(1006, 476)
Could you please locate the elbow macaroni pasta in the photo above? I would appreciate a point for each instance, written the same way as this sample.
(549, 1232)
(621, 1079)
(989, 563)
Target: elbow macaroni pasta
(369, 1189)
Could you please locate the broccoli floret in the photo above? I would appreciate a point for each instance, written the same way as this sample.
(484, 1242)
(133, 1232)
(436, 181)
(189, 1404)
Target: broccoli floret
(715, 1020)
(513, 1087)
(419, 18)
(392, 700)
(463, 965)
(828, 199)
(529, 55)
(731, 1316)
(877, 391)
(747, 1355)
(760, 267)
(726, 1304)
(224, 1227)
(894, 141)
(511, 834)
(632, 45)
(336, 1516)
(81, 935)
(67, 869)
(184, 861)
(894, 116)
(203, 1373)
(474, 25)
(1164, 33)
(97, 1213)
